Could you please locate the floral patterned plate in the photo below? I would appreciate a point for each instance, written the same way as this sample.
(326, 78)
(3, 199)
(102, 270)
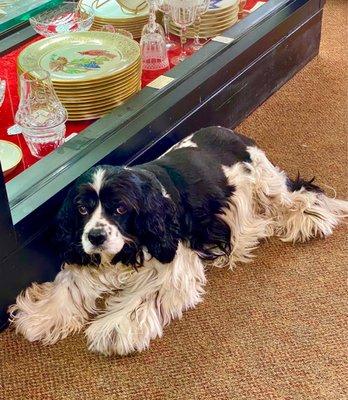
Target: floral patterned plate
(81, 56)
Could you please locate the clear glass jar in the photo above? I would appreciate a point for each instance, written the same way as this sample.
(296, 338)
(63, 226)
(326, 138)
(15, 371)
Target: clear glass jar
(40, 114)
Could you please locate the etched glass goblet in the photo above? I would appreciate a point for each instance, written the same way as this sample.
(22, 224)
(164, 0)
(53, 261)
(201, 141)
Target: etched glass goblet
(183, 14)
(163, 6)
(202, 9)
(152, 26)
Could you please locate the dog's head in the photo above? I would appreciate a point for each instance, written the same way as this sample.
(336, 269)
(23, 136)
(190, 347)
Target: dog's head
(117, 213)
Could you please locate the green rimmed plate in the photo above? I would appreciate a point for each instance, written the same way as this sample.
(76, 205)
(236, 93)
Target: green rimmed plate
(81, 56)
(111, 9)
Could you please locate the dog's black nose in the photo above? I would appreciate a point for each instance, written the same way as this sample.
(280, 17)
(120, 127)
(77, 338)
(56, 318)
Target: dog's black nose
(97, 236)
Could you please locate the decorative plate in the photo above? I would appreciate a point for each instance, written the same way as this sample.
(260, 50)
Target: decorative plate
(110, 9)
(225, 12)
(10, 156)
(81, 56)
(217, 5)
(134, 6)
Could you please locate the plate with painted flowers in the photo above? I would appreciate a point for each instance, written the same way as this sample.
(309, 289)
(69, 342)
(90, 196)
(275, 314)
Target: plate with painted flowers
(81, 56)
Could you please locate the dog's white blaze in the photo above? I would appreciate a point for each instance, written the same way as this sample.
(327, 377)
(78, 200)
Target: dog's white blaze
(97, 179)
(114, 242)
(150, 299)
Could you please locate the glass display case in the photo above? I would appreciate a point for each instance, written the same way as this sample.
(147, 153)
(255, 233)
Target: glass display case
(16, 13)
(220, 84)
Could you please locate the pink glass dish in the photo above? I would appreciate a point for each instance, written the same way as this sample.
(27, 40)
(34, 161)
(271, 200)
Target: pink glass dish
(68, 17)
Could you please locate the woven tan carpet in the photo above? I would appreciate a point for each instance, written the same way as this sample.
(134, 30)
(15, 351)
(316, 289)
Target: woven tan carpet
(273, 329)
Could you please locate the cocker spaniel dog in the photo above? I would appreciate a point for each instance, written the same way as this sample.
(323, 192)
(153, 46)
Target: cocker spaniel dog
(139, 238)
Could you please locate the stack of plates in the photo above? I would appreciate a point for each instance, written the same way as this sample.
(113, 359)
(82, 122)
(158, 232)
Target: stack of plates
(109, 12)
(92, 72)
(221, 15)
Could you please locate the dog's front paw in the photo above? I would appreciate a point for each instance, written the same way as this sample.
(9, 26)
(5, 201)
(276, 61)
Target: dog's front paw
(110, 336)
(42, 313)
(116, 334)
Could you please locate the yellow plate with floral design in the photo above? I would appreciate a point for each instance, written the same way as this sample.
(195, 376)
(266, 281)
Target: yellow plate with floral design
(92, 114)
(72, 101)
(80, 86)
(102, 92)
(99, 88)
(81, 56)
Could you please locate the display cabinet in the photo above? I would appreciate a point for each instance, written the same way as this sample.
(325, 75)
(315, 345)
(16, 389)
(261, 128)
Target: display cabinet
(219, 85)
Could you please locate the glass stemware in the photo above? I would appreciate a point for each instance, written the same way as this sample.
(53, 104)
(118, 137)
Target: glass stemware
(163, 6)
(154, 55)
(152, 15)
(202, 9)
(152, 26)
(183, 14)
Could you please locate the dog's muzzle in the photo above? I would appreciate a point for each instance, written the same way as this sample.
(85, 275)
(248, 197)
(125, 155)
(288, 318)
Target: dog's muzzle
(97, 236)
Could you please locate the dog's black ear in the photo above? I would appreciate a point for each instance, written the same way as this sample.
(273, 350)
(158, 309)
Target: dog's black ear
(68, 233)
(157, 224)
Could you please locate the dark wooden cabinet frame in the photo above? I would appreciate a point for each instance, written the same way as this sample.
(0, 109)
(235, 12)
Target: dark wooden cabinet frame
(219, 85)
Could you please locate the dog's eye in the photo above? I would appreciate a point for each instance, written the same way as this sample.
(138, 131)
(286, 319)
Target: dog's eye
(83, 210)
(121, 209)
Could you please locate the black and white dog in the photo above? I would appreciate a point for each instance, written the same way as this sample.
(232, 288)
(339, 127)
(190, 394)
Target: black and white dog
(139, 237)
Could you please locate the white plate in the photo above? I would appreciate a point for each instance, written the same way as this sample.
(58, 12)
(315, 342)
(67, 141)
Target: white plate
(10, 156)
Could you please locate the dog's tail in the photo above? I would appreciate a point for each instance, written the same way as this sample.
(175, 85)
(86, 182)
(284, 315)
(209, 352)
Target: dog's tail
(309, 213)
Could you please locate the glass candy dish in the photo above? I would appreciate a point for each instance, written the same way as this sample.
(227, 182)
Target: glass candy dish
(68, 17)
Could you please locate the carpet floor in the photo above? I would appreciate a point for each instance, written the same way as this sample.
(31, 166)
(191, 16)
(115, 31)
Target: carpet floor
(272, 329)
